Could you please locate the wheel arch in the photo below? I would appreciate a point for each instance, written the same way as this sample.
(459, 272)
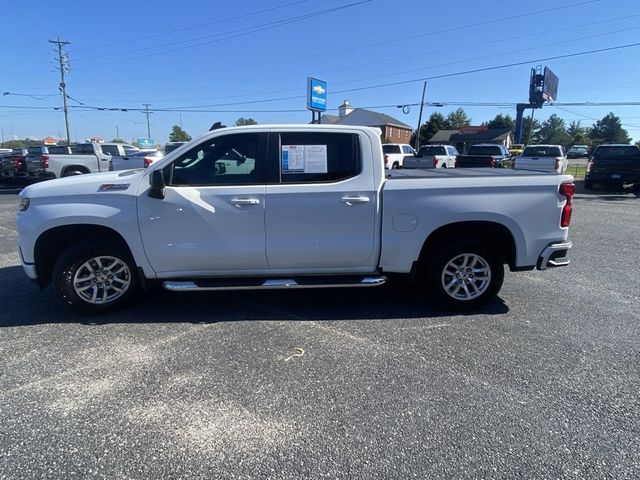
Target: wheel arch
(495, 235)
(53, 242)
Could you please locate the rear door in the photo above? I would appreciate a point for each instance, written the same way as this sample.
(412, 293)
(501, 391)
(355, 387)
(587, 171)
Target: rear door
(321, 203)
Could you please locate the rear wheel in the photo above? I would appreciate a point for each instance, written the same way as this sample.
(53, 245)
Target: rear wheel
(93, 278)
(464, 276)
(396, 165)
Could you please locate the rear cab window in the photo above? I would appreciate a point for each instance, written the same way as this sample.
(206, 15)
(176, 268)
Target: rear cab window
(485, 150)
(621, 151)
(390, 149)
(542, 152)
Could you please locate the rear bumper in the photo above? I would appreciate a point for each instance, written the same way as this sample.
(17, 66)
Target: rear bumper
(554, 255)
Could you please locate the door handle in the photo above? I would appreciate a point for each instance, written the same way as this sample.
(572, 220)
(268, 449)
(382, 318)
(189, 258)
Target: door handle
(238, 202)
(355, 199)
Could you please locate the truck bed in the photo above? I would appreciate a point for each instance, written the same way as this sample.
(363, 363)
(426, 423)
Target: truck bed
(464, 173)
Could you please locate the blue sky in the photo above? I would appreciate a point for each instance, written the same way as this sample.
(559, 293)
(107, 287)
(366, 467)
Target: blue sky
(235, 57)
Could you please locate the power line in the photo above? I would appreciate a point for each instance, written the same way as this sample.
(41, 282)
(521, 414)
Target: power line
(169, 32)
(259, 28)
(369, 45)
(352, 66)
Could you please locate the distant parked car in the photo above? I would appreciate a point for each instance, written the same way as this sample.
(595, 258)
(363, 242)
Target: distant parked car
(433, 156)
(578, 151)
(119, 152)
(516, 149)
(14, 164)
(613, 164)
(396, 153)
(549, 158)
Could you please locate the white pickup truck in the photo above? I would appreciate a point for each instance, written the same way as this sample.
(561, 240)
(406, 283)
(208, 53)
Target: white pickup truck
(67, 161)
(290, 206)
(546, 158)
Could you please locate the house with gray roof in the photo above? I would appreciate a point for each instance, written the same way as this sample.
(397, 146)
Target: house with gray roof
(463, 138)
(393, 130)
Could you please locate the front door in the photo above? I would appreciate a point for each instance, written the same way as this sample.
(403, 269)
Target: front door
(211, 220)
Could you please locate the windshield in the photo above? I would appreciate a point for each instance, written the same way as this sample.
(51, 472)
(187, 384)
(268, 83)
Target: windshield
(541, 151)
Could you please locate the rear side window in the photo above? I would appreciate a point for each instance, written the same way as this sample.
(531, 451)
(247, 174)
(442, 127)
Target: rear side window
(407, 150)
(37, 150)
(389, 149)
(542, 152)
(318, 157)
(83, 149)
(452, 151)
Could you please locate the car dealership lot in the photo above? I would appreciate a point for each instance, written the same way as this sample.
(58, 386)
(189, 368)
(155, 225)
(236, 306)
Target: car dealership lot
(542, 384)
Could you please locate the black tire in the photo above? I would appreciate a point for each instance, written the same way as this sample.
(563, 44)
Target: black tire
(75, 261)
(483, 289)
(395, 165)
(588, 184)
(72, 172)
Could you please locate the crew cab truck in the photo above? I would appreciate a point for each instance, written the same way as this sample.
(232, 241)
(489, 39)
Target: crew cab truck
(483, 155)
(433, 156)
(613, 164)
(289, 206)
(549, 158)
(68, 161)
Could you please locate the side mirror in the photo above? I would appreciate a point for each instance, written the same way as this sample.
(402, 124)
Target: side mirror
(156, 180)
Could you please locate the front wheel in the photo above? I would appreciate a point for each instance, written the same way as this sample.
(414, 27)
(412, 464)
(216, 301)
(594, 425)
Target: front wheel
(464, 276)
(94, 278)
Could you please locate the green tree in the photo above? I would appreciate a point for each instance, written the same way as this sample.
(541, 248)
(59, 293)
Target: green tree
(529, 129)
(178, 135)
(579, 135)
(435, 123)
(552, 131)
(609, 130)
(501, 121)
(245, 121)
(457, 119)
(14, 144)
(118, 140)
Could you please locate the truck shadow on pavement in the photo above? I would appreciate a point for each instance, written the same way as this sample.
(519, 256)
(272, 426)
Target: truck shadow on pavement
(24, 305)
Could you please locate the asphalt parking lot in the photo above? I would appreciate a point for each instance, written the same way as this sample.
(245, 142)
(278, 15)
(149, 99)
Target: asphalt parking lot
(543, 383)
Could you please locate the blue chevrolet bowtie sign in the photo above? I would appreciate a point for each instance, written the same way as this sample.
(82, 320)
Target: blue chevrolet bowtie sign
(316, 95)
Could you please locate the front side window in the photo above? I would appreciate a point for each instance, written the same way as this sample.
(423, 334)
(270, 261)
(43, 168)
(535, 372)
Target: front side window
(318, 157)
(223, 160)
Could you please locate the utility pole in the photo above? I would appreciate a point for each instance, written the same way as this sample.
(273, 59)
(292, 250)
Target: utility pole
(117, 133)
(147, 113)
(417, 142)
(64, 65)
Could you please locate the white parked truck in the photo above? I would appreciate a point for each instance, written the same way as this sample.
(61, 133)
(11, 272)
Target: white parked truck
(290, 206)
(547, 158)
(68, 161)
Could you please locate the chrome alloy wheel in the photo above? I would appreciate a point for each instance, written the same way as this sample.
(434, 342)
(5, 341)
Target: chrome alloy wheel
(466, 276)
(101, 280)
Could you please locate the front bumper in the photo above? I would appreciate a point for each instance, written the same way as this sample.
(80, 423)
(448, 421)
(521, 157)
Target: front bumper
(554, 255)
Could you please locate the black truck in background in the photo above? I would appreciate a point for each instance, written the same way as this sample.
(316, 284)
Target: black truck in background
(483, 155)
(614, 165)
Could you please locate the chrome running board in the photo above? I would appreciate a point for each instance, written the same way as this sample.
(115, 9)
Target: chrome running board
(206, 284)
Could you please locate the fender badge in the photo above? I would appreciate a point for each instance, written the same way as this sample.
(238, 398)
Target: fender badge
(110, 187)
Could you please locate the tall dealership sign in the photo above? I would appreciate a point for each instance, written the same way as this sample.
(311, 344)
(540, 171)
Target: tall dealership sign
(316, 97)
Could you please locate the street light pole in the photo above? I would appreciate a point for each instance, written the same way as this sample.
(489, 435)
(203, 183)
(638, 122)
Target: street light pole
(417, 142)
(117, 133)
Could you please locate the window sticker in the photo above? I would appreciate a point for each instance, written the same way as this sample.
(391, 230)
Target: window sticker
(304, 159)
